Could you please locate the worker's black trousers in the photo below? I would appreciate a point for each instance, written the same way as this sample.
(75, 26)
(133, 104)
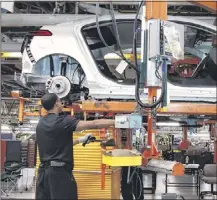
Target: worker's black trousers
(55, 183)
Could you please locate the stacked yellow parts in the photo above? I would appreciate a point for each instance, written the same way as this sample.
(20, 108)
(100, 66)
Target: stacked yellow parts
(87, 171)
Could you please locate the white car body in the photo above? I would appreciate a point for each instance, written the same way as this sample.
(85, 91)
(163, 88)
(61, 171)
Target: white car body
(67, 39)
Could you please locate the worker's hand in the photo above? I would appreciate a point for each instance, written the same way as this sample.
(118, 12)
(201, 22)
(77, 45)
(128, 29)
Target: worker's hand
(85, 138)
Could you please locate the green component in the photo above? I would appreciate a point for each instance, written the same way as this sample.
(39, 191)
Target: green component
(165, 62)
(143, 66)
(164, 104)
(142, 75)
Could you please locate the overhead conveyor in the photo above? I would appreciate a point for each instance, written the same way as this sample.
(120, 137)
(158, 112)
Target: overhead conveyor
(10, 46)
(18, 20)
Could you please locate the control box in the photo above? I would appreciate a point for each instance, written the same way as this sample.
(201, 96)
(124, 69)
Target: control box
(128, 121)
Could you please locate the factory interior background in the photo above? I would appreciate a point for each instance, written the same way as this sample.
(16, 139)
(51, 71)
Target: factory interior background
(150, 66)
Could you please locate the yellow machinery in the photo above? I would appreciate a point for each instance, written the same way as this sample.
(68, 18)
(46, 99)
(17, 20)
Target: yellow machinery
(92, 184)
(88, 171)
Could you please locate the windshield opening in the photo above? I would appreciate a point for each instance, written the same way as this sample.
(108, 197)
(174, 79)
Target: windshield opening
(196, 44)
(192, 71)
(106, 60)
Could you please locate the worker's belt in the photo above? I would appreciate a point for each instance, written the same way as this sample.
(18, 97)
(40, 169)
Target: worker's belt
(176, 151)
(57, 164)
(52, 164)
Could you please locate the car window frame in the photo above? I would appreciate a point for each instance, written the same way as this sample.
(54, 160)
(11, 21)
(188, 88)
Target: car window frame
(104, 23)
(196, 26)
(108, 22)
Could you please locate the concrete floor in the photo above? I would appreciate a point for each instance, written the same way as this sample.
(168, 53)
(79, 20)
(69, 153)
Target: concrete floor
(187, 193)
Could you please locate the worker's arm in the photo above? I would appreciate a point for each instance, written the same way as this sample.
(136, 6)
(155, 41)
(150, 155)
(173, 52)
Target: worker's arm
(95, 124)
(83, 139)
(72, 124)
(75, 142)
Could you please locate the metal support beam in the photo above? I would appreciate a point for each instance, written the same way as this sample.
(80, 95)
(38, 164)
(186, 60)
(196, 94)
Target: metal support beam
(11, 47)
(0, 69)
(19, 20)
(129, 107)
(185, 133)
(92, 9)
(215, 142)
(117, 2)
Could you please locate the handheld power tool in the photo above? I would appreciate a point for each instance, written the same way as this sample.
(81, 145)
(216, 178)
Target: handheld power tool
(108, 143)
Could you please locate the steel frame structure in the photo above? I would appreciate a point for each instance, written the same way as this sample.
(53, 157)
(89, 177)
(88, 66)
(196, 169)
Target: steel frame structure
(112, 108)
(154, 10)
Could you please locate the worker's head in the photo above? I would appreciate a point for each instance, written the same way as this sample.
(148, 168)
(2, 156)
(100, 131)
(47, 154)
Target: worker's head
(52, 103)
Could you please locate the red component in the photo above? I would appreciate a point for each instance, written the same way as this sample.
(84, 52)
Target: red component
(41, 33)
(103, 168)
(184, 145)
(187, 61)
(144, 160)
(146, 153)
(3, 153)
(151, 153)
(191, 61)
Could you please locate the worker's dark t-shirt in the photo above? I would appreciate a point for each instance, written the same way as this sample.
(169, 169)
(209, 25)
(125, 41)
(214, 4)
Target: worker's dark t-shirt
(54, 138)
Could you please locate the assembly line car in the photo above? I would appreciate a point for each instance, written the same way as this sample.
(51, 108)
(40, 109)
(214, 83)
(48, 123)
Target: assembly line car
(71, 60)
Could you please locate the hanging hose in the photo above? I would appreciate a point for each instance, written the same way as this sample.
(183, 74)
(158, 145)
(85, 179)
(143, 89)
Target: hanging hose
(104, 42)
(116, 29)
(51, 66)
(181, 197)
(121, 55)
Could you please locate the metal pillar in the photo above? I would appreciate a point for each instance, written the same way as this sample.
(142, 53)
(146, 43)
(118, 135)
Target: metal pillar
(0, 68)
(215, 142)
(10, 47)
(153, 10)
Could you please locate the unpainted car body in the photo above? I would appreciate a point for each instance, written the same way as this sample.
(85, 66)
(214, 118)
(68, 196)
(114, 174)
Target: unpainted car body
(75, 41)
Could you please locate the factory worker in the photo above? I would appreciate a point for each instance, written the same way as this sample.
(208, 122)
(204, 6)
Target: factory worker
(54, 139)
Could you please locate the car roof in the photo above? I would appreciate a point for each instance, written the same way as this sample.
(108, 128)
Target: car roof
(83, 20)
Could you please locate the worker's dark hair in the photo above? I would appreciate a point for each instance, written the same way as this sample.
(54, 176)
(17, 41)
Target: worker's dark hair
(48, 101)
